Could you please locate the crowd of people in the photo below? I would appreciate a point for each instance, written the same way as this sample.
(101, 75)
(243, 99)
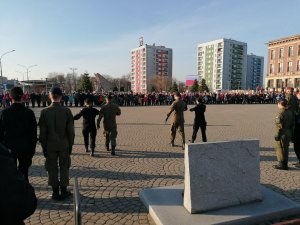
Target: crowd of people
(18, 133)
(76, 99)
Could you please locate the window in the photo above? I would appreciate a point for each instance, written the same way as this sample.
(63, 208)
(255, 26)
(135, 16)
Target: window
(298, 65)
(272, 54)
(280, 67)
(271, 68)
(290, 67)
(280, 53)
(299, 50)
(291, 51)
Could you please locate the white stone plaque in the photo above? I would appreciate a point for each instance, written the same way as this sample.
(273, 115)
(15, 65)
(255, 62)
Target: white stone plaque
(221, 174)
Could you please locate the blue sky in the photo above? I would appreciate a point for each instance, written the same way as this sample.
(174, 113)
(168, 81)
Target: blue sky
(97, 35)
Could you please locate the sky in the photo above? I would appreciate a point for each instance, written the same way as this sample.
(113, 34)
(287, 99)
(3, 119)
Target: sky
(96, 36)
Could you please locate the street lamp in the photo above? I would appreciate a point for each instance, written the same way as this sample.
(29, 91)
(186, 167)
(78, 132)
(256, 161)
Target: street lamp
(1, 66)
(73, 69)
(27, 70)
(22, 78)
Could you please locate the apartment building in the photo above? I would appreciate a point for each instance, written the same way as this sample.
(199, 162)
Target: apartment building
(151, 65)
(283, 69)
(255, 72)
(223, 64)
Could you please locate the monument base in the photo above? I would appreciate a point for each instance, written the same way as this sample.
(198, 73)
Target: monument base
(165, 205)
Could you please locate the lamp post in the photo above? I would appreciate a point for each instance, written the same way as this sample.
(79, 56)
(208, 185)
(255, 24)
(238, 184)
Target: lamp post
(27, 70)
(1, 66)
(73, 70)
(22, 79)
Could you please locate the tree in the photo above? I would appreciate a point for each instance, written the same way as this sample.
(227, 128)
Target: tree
(195, 86)
(203, 86)
(85, 83)
(175, 87)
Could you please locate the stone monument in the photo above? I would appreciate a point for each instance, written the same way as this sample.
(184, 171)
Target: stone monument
(221, 174)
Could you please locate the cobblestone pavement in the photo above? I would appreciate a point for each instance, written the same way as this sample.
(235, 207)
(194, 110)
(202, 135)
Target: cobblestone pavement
(109, 185)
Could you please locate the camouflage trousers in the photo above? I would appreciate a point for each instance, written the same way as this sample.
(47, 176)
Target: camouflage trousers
(58, 164)
(110, 137)
(282, 150)
(180, 128)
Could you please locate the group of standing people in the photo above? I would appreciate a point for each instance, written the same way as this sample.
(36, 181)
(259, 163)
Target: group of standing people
(18, 139)
(287, 123)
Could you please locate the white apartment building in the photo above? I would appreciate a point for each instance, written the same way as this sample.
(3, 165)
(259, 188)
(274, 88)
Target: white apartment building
(255, 72)
(223, 64)
(151, 65)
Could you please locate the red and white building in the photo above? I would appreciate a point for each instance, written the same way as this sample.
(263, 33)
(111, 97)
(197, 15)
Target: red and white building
(149, 62)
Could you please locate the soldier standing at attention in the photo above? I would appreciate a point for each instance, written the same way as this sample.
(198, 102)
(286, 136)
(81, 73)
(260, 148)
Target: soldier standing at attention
(199, 121)
(178, 106)
(89, 130)
(18, 131)
(292, 101)
(57, 138)
(109, 112)
(284, 123)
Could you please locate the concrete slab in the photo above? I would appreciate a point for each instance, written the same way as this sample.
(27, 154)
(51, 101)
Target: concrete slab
(165, 206)
(221, 174)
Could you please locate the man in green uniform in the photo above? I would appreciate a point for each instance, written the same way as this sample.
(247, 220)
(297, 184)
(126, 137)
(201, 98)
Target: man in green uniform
(57, 138)
(284, 123)
(109, 112)
(292, 101)
(178, 107)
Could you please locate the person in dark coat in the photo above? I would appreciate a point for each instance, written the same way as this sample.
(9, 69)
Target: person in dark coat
(199, 121)
(18, 131)
(18, 200)
(89, 129)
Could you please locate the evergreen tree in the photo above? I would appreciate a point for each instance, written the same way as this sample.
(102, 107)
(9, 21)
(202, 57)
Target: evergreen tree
(175, 87)
(203, 86)
(195, 87)
(85, 83)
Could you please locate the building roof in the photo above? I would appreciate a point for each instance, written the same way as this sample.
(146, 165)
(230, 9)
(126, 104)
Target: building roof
(285, 40)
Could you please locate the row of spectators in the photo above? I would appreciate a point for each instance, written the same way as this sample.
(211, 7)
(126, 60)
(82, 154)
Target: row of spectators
(76, 99)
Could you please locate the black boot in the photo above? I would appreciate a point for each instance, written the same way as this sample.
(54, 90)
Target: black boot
(113, 150)
(64, 193)
(86, 149)
(107, 148)
(55, 194)
(93, 150)
(281, 166)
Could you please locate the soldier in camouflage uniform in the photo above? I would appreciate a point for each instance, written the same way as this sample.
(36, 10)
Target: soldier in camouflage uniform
(178, 107)
(284, 123)
(57, 138)
(292, 101)
(109, 112)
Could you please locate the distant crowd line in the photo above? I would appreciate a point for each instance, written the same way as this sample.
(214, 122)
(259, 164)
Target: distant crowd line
(76, 99)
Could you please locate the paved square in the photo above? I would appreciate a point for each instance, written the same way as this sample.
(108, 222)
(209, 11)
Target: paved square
(109, 185)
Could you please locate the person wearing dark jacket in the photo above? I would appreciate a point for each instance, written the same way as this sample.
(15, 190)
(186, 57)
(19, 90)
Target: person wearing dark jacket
(18, 200)
(89, 130)
(18, 131)
(199, 121)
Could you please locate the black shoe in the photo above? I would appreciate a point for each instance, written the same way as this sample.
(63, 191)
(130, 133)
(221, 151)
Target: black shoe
(280, 167)
(172, 144)
(107, 148)
(86, 150)
(55, 195)
(113, 151)
(64, 193)
(92, 154)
